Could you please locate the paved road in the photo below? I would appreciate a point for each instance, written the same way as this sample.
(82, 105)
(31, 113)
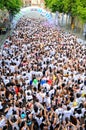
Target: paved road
(35, 14)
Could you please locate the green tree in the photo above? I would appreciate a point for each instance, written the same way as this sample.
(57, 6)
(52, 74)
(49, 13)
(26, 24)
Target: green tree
(71, 7)
(57, 5)
(48, 3)
(13, 6)
(76, 8)
(1, 4)
(54, 5)
(81, 10)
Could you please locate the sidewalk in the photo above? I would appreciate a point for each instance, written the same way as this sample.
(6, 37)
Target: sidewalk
(3, 37)
(75, 32)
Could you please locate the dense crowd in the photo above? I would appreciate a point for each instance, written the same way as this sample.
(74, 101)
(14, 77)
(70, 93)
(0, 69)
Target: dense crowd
(42, 79)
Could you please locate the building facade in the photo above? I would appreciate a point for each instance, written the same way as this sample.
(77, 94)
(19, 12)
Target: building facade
(39, 3)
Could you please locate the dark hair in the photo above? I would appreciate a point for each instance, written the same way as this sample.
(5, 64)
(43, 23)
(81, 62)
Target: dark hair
(5, 128)
(15, 128)
(85, 121)
(81, 105)
(13, 119)
(66, 119)
(42, 126)
(77, 95)
(80, 128)
(63, 84)
(68, 108)
(51, 127)
(71, 98)
(14, 112)
(35, 108)
(73, 120)
(85, 82)
(28, 93)
(85, 114)
(79, 111)
(22, 124)
(57, 126)
(35, 126)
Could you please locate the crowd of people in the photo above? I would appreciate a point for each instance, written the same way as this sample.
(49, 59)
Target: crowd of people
(42, 79)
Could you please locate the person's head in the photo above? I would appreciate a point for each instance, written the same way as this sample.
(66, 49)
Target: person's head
(22, 124)
(5, 128)
(35, 108)
(68, 108)
(73, 119)
(70, 127)
(72, 98)
(13, 119)
(28, 94)
(14, 112)
(80, 128)
(77, 95)
(15, 128)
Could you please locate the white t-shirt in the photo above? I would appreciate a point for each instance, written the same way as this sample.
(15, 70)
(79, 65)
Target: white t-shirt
(67, 114)
(1, 107)
(2, 122)
(59, 111)
(39, 120)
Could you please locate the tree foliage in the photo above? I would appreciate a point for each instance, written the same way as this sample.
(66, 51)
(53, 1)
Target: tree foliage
(72, 7)
(13, 6)
(2, 4)
(81, 10)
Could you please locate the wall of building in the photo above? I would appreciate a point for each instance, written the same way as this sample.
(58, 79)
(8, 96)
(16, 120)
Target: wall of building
(34, 2)
(26, 2)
